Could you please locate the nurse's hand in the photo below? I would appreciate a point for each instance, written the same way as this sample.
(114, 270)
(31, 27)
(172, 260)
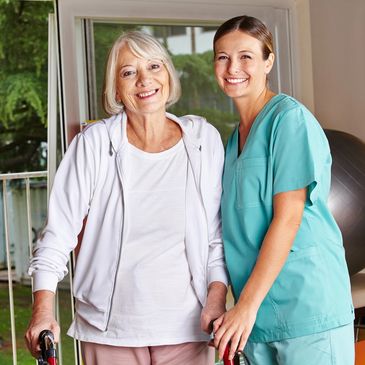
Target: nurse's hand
(215, 305)
(233, 328)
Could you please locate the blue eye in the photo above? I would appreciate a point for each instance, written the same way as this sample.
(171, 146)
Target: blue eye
(246, 57)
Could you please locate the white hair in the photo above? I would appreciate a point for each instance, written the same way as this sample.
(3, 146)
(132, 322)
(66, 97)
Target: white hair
(145, 46)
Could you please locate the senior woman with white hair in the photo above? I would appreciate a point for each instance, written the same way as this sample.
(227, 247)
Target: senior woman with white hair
(150, 273)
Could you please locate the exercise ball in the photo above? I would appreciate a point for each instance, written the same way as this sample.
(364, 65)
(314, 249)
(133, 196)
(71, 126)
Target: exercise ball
(347, 194)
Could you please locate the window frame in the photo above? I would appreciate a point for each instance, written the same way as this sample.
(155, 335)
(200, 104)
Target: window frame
(172, 12)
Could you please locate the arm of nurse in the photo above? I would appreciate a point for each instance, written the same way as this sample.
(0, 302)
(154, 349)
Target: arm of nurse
(236, 324)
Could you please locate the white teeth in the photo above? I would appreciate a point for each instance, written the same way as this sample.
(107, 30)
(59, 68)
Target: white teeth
(148, 93)
(235, 81)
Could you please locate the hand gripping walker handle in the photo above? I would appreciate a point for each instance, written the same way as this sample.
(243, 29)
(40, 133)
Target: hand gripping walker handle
(226, 361)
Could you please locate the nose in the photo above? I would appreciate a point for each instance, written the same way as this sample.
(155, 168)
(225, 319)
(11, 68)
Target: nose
(144, 78)
(233, 67)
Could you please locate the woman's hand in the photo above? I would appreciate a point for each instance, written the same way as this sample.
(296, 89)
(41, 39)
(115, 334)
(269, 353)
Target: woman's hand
(42, 319)
(215, 305)
(233, 328)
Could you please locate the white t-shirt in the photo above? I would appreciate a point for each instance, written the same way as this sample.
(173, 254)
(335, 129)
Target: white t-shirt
(154, 302)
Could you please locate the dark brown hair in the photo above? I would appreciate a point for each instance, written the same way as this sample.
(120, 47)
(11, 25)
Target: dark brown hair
(251, 26)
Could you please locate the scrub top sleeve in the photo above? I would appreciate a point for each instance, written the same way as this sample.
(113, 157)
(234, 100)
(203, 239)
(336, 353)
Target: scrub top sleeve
(298, 153)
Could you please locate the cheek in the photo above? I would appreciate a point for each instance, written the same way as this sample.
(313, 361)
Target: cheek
(123, 89)
(218, 69)
(165, 82)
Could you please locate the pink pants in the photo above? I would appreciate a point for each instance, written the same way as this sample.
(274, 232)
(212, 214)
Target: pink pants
(190, 353)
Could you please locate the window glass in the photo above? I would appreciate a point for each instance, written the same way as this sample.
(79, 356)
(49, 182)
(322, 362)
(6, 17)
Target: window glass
(192, 55)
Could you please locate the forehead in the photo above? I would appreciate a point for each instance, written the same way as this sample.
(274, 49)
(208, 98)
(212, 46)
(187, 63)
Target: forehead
(127, 54)
(127, 57)
(238, 41)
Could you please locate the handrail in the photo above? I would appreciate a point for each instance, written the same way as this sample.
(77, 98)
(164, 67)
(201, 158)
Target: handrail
(23, 175)
(5, 178)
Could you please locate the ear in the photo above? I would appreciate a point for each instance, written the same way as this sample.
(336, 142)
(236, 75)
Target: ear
(269, 63)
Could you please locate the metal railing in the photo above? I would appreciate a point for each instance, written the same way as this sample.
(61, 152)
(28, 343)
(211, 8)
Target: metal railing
(5, 178)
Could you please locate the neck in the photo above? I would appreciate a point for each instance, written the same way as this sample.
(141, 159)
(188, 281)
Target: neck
(152, 132)
(249, 107)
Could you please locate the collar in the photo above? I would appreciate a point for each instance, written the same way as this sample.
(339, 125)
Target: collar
(190, 125)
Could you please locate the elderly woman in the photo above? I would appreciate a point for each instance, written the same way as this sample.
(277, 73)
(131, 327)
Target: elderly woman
(150, 274)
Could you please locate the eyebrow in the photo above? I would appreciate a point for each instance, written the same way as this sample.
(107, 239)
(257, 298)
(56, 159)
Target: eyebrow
(246, 51)
(243, 51)
(123, 66)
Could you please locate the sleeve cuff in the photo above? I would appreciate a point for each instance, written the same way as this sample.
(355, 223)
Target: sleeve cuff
(44, 280)
(218, 274)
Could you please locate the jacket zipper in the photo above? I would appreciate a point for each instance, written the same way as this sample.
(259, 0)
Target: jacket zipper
(120, 244)
(198, 186)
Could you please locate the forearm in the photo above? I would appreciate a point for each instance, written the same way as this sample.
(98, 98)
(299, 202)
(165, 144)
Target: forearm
(271, 259)
(217, 291)
(279, 238)
(215, 305)
(43, 301)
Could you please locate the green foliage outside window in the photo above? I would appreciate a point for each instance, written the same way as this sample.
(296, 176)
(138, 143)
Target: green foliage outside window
(23, 84)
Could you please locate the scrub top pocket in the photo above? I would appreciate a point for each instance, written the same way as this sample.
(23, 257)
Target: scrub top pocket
(253, 182)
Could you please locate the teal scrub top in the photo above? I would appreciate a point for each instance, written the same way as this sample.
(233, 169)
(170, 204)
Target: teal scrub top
(286, 150)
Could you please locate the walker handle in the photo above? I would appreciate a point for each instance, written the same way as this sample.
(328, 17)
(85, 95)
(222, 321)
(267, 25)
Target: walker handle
(48, 349)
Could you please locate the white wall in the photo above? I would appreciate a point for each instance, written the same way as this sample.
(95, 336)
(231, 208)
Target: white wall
(338, 51)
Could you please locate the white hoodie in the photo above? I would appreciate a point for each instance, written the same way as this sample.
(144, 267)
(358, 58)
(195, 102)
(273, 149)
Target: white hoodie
(89, 182)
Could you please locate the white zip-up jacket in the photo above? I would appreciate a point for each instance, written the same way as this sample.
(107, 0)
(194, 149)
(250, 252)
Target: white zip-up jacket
(89, 182)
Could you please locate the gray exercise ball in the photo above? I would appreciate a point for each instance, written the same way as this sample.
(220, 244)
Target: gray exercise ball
(347, 194)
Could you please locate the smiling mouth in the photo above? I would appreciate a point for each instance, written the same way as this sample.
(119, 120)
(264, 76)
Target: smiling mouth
(236, 80)
(147, 94)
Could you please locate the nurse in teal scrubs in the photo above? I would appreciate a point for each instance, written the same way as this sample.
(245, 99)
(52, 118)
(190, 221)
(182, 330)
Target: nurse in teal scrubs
(283, 248)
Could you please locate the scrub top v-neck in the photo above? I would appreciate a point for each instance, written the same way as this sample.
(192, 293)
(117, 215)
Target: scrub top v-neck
(285, 150)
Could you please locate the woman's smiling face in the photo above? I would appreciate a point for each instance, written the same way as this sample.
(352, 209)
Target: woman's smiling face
(239, 66)
(142, 84)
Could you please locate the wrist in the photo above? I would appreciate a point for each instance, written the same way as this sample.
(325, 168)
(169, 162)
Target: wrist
(43, 302)
(217, 288)
(249, 303)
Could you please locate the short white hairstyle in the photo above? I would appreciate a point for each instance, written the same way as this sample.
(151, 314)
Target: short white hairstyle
(145, 46)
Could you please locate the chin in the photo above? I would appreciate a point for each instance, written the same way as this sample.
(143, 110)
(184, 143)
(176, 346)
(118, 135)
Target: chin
(235, 93)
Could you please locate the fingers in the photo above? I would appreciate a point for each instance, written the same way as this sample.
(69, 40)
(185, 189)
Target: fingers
(229, 331)
(234, 345)
(217, 323)
(55, 329)
(223, 343)
(32, 334)
(205, 323)
(211, 312)
(242, 343)
(31, 340)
